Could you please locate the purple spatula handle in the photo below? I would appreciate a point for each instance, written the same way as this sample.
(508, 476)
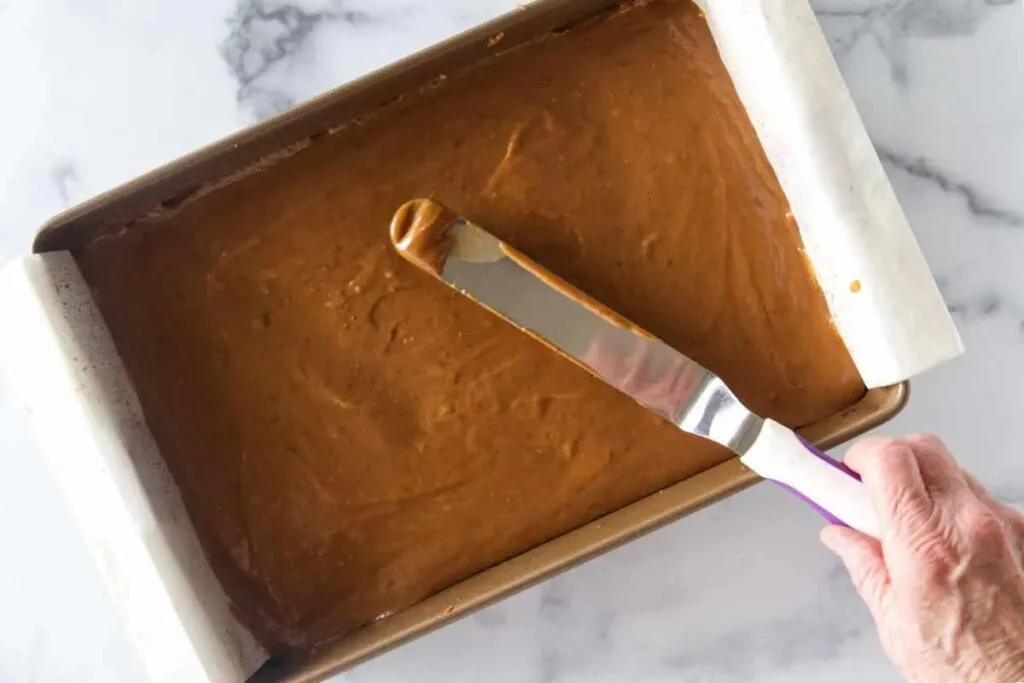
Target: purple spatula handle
(830, 487)
(829, 461)
(832, 519)
(826, 458)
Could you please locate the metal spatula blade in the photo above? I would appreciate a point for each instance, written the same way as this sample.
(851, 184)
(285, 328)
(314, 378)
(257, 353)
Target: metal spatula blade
(510, 284)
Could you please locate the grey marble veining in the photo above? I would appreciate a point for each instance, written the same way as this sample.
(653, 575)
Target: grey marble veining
(101, 90)
(891, 23)
(264, 34)
(980, 207)
(64, 177)
(269, 41)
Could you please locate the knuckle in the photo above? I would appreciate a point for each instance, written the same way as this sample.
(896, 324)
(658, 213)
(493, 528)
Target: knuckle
(891, 448)
(933, 457)
(869, 452)
(928, 443)
(986, 529)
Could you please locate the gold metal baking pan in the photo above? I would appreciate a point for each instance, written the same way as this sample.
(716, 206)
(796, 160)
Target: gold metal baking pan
(189, 177)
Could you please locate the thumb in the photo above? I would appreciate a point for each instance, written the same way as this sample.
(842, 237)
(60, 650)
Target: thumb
(863, 558)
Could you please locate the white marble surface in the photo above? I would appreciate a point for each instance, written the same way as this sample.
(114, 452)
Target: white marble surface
(98, 91)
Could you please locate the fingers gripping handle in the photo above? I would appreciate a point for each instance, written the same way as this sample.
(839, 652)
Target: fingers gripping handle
(829, 486)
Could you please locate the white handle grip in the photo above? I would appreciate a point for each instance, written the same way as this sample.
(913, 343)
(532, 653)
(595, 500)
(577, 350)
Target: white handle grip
(781, 456)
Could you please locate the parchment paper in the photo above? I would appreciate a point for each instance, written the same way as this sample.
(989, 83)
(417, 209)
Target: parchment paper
(62, 364)
(881, 293)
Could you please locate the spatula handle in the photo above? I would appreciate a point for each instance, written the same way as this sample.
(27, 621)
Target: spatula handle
(827, 485)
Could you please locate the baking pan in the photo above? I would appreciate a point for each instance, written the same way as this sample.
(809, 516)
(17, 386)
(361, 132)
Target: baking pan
(564, 552)
(187, 179)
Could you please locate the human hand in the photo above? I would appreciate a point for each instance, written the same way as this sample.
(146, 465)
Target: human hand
(945, 584)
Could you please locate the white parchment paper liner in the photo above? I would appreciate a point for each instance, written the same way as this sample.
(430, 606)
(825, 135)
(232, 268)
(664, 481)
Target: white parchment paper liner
(62, 365)
(60, 361)
(879, 288)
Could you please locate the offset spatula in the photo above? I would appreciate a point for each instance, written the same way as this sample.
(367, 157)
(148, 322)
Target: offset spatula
(524, 293)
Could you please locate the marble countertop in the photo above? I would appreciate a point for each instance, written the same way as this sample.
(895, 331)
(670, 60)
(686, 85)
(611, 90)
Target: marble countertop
(98, 91)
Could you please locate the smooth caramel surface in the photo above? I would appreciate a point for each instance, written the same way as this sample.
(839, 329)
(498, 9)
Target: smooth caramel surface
(350, 435)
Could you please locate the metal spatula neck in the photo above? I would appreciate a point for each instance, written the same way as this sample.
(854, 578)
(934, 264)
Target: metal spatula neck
(714, 412)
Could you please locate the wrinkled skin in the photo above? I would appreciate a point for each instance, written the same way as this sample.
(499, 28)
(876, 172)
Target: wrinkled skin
(945, 584)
